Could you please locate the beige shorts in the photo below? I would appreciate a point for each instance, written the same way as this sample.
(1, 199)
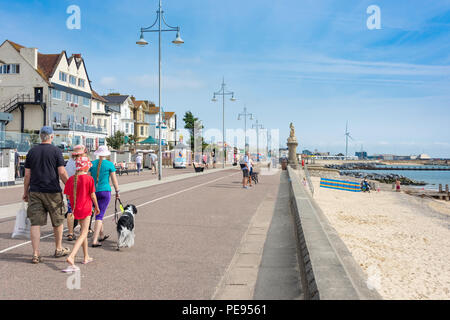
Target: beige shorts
(39, 204)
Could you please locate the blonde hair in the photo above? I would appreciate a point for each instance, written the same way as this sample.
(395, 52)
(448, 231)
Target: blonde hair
(75, 190)
(100, 159)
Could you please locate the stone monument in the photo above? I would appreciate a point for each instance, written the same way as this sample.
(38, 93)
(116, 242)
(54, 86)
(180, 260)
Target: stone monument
(292, 146)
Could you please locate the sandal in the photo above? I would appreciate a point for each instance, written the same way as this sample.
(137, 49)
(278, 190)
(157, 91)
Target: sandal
(96, 245)
(88, 261)
(104, 238)
(36, 259)
(62, 252)
(71, 268)
(71, 237)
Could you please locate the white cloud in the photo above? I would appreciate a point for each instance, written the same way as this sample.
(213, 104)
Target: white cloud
(167, 82)
(108, 81)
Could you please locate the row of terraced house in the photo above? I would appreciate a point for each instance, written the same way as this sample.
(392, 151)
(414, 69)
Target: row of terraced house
(54, 89)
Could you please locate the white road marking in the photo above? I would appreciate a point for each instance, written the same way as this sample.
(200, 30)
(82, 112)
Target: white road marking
(143, 204)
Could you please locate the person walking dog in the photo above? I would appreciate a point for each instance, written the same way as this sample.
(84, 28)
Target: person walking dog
(102, 170)
(81, 191)
(44, 166)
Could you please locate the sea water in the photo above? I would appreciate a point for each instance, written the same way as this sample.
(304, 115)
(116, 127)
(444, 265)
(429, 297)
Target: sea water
(432, 178)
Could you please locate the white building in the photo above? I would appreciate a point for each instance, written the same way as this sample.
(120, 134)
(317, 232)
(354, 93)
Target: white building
(170, 119)
(48, 89)
(100, 117)
(152, 118)
(121, 109)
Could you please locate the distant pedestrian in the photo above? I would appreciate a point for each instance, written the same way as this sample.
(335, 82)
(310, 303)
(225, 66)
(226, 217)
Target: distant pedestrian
(213, 155)
(102, 170)
(245, 170)
(153, 162)
(205, 163)
(17, 164)
(139, 163)
(44, 166)
(397, 185)
(250, 172)
(81, 191)
(78, 151)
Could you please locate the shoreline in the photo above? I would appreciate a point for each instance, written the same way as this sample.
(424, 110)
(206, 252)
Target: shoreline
(397, 239)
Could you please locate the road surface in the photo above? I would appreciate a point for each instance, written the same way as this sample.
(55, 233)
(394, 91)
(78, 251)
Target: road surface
(187, 233)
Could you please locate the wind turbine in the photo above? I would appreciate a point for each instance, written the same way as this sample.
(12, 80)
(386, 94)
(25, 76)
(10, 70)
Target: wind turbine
(347, 135)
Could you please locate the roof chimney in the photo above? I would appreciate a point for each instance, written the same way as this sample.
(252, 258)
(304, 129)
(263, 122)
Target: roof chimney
(31, 55)
(77, 57)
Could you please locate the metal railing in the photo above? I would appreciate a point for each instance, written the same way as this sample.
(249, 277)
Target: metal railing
(65, 125)
(308, 179)
(14, 100)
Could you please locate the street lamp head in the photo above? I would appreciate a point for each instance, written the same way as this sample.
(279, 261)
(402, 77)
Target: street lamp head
(233, 98)
(214, 99)
(178, 41)
(251, 117)
(142, 42)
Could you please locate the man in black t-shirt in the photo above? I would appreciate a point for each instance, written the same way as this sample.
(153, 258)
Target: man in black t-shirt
(44, 165)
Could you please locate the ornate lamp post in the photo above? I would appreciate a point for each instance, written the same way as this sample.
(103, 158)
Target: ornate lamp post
(245, 115)
(223, 93)
(257, 126)
(142, 42)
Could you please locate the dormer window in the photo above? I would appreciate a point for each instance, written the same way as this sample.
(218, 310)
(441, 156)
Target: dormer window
(81, 83)
(73, 80)
(63, 76)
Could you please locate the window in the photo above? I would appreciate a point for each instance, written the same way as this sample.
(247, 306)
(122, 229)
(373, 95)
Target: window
(98, 105)
(81, 83)
(9, 69)
(127, 127)
(105, 123)
(75, 98)
(68, 97)
(63, 76)
(57, 117)
(86, 102)
(142, 131)
(99, 123)
(73, 80)
(70, 118)
(56, 94)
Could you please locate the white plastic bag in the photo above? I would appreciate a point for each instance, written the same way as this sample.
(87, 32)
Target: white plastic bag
(23, 224)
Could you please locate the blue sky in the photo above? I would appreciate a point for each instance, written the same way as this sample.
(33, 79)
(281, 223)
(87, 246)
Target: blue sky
(313, 63)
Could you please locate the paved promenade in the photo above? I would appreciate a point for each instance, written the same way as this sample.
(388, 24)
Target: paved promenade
(187, 236)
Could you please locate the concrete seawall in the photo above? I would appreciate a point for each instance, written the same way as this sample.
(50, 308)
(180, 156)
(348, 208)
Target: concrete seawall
(328, 270)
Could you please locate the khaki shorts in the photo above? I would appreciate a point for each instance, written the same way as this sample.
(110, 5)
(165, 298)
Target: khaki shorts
(40, 203)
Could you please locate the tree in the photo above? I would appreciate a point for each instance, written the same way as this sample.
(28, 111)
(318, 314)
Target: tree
(189, 123)
(132, 140)
(116, 141)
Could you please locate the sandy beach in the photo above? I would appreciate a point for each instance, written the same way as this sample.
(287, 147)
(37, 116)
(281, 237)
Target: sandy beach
(401, 242)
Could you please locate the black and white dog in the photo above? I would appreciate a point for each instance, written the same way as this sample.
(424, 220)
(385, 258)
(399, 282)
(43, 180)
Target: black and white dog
(125, 227)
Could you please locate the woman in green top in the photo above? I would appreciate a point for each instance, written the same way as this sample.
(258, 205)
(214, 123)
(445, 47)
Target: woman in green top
(102, 170)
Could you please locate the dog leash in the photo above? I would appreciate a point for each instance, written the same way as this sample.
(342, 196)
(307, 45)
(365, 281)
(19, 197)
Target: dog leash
(116, 215)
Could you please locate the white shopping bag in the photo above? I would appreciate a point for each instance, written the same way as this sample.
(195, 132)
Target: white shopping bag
(23, 225)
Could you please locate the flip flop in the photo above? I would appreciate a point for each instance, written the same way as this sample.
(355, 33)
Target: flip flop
(90, 260)
(71, 269)
(96, 245)
(104, 238)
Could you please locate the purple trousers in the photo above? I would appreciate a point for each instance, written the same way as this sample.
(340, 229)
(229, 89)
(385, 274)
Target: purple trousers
(103, 199)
